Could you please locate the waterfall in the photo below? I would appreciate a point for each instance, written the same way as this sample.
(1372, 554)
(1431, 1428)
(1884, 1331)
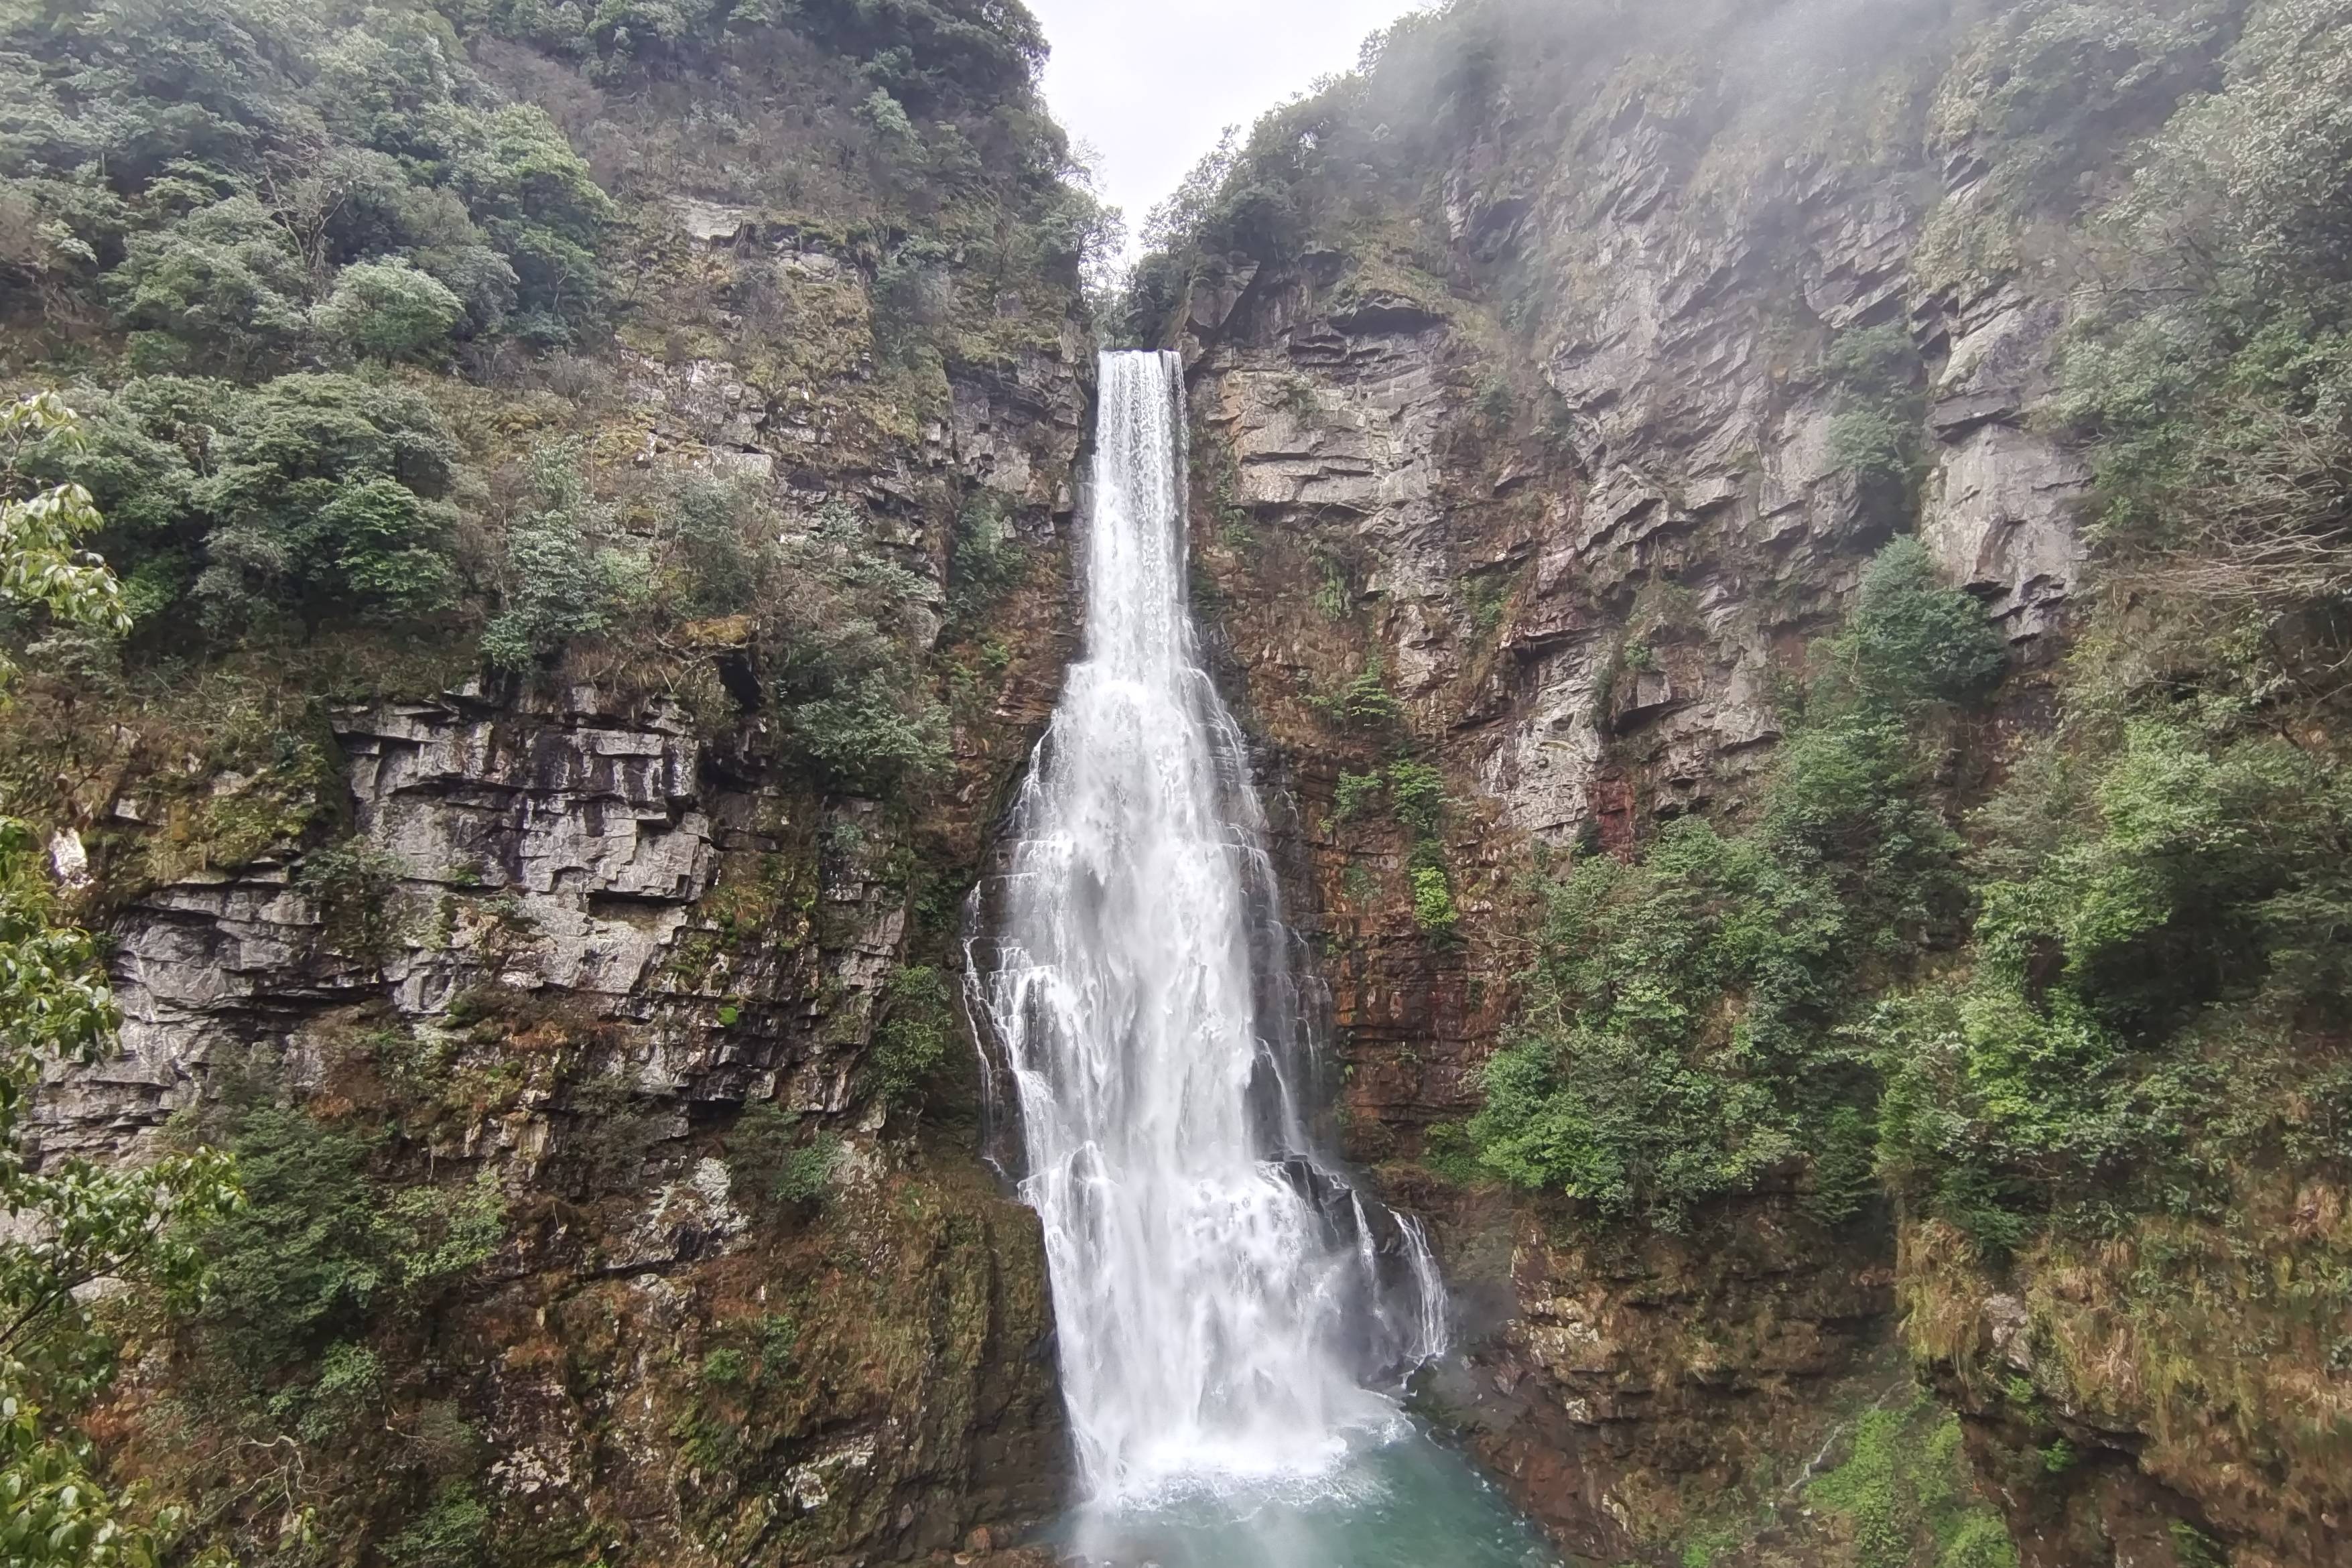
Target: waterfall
(1228, 1309)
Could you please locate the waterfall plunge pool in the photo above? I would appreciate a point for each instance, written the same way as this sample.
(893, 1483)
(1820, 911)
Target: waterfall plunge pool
(1396, 1498)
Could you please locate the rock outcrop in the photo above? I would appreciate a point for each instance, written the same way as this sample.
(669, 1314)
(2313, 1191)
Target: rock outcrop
(564, 933)
(1574, 460)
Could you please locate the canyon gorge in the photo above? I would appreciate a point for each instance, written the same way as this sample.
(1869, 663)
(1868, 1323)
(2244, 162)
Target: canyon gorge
(1772, 587)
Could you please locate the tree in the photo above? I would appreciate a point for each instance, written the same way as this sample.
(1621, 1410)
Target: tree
(222, 288)
(40, 566)
(389, 310)
(73, 1224)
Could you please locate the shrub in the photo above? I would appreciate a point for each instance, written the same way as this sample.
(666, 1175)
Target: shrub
(450, 1533)
(1684, 1036)
(808, 1171)
(352, 886)
(1905, 1494)
(918, 1028)
(1911, 639)
(772, 1163)
(2142, 891)
(986, 559)
(563, 584)
(1434, 909)
(1674, 1006)
(221, 289)
(1366, 702)
(300, 1267)
(1352, 794)
(1417, 795)
(43, 569)
(319, 496)
(389, 310)
(325, 1252)
(1875, 431)
(873, 737)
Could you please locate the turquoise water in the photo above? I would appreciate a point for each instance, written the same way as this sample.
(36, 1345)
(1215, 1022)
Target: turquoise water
(1407, 1502)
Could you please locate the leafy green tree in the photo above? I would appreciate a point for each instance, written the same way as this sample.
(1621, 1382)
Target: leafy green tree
(561, 584)
(327, 497)
(74, 1224)
(1688, 1029)
(917, 1027)
(308, 498)
(536, 200)
(42, 566)
(389, 310)
(223, 289)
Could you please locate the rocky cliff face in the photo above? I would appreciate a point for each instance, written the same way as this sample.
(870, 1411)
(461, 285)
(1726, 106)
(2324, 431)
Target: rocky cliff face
(609, 935)
(594, 941)
(1532, 451)
(1548, 431)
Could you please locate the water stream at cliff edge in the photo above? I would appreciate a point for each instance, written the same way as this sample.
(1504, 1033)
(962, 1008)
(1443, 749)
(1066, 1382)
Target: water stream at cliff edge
(1235, 1322)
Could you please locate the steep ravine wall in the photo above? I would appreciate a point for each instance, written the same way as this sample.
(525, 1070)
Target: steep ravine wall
(601, 931)
(1536, 437)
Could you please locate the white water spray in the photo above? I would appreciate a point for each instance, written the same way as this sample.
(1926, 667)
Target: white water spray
(1225, 1305)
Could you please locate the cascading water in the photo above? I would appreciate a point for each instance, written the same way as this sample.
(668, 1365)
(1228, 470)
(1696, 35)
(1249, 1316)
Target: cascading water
(1229, 1311)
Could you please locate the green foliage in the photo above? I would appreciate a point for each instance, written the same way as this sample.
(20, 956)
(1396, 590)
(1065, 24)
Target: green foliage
(74, 1224)
(244, 181)
(860, 719)
(2212, 369)
(1332, 597)
(325, 1251)
(1417, 796)
(565, 579)
(807, 1173)
(840, 623)
(1875, 432)
(450, 1533)
(1353, 793)
(1685, 1036)
(222, 288)
(770, 1161)
(867, 736)
(1902, 1494)
(389, 310)
(352, 886)
(1433, 909)
(310, 497)
(1673, 1009)
(43, 569)
(1876, 446)
(1912, 640)
(2137, 891)
(726, 1368)
(1365, 702)
(919, 1029)
(2193, 1547)
(986, 558)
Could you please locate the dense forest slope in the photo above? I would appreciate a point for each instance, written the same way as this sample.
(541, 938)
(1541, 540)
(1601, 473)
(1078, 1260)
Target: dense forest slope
(1794, 561)
(1787, 564)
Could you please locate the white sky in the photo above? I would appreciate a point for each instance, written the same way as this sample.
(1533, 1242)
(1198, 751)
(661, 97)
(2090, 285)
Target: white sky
(1149, 84)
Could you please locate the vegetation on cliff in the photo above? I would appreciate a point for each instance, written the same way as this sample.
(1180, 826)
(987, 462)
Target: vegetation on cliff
(527, 350)
(73, 1224)
(2046, 967)
(1689, 1026)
